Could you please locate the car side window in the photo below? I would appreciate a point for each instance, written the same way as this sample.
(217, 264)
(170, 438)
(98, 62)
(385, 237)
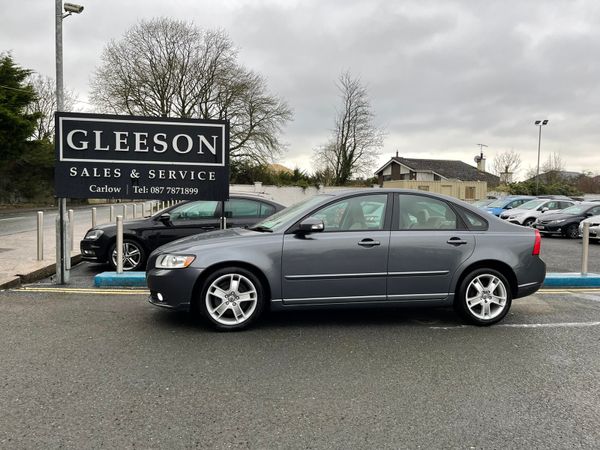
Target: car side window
(241, 207)
(366, 212)
(266, 210)
(564, 205)
(474, 222)
(425, 213)
(595, 210)
(551, 205)
(194, 211)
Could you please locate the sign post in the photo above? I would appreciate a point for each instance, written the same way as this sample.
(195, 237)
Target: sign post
(134, 158)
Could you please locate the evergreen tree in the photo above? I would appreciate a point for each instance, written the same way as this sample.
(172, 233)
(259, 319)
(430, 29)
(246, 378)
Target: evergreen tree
(16, 125)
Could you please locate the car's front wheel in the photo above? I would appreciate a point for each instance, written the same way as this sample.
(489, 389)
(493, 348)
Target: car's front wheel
(528, 222)
(134, 256)
(572, 231)
(232, 298)
(484, 297)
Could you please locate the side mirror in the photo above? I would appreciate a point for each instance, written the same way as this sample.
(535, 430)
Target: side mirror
(508, 207)
(545, 208)
(311, 225)
(165, 218)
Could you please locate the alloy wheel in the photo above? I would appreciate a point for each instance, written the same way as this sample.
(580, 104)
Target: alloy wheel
(231, 299)
(486, 297)
(132, 256)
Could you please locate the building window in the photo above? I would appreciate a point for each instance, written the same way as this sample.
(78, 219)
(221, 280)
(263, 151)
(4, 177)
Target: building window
(470, 193)
(423, 188)
(436, 177)
(387, 178)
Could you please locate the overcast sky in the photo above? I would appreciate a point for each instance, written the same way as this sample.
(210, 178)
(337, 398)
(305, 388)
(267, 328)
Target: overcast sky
(442, 75)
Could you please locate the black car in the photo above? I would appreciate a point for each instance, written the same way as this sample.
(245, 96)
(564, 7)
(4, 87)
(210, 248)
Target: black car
(140, 237)
(566, 221)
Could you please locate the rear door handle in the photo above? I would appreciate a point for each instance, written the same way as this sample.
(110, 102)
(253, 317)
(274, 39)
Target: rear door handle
(368, 243)
(456, 241)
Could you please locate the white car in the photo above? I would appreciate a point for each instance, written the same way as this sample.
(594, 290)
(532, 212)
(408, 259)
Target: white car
(594, 222)
(528, 212)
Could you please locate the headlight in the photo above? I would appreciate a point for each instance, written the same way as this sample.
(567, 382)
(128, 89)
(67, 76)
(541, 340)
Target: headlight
(174, 261)
(92, 235)
(559, 221)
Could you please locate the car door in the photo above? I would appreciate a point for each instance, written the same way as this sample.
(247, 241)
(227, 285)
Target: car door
(428, 243)
(190, 218)
(347, 261)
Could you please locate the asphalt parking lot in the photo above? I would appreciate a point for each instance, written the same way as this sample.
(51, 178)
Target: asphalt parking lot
(90, 368)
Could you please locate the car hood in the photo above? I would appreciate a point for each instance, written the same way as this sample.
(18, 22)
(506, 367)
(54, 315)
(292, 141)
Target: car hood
(516, 211)
(209, 239)
(128, 224)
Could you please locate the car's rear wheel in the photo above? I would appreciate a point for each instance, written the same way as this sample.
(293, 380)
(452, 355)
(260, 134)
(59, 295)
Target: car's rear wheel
(484, 297)
(232, 298)
(134, 256)
(572, 231)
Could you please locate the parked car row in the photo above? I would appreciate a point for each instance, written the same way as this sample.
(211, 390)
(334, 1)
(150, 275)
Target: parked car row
(551, 215)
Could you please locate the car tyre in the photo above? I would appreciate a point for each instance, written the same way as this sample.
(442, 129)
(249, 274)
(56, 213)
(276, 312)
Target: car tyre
(134, 256)
(572, 232)
(484, 297)
(232, 298)
(528, 222)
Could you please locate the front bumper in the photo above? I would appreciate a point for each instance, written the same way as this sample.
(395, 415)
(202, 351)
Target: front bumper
(172, 288)
(92, 251)
(548, 229)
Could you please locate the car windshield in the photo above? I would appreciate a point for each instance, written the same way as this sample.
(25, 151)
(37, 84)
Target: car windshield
(575, 209)
(532, 204)
(500, 203)
(286, 214)
(480, 203)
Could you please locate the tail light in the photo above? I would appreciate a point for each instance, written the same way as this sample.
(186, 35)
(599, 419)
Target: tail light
(538, 243)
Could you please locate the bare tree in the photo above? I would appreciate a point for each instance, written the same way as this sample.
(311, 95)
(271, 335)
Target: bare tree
(551, 170)
(45, 105)
(554, 163)
(356, 141)
(506, 162)
(169, 68)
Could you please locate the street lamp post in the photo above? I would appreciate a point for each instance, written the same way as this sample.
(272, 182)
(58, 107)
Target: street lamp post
(63, 261)
(539, 124)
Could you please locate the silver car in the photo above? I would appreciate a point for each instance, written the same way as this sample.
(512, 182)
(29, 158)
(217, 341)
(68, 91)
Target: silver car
(594, 222)
(528, 212)
(373, 247)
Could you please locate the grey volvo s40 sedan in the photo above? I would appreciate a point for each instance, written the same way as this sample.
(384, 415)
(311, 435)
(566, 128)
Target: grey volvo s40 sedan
(373, 247)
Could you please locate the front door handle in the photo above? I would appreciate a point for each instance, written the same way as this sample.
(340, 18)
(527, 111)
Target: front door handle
(456, 241)
(368, 243)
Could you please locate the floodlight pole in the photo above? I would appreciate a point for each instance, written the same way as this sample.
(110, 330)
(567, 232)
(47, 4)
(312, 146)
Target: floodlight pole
(62, 260)
(539, 124)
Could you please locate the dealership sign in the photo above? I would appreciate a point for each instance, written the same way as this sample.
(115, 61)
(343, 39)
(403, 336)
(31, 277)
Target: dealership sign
(127, 157)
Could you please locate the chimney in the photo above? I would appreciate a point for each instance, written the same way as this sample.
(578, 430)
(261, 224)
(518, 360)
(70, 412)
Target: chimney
(481, 163)
(396, 153)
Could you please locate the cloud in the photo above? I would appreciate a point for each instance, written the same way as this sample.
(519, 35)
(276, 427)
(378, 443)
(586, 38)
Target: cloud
(442, 75)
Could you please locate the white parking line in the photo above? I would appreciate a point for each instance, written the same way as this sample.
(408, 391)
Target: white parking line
(528, 325)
